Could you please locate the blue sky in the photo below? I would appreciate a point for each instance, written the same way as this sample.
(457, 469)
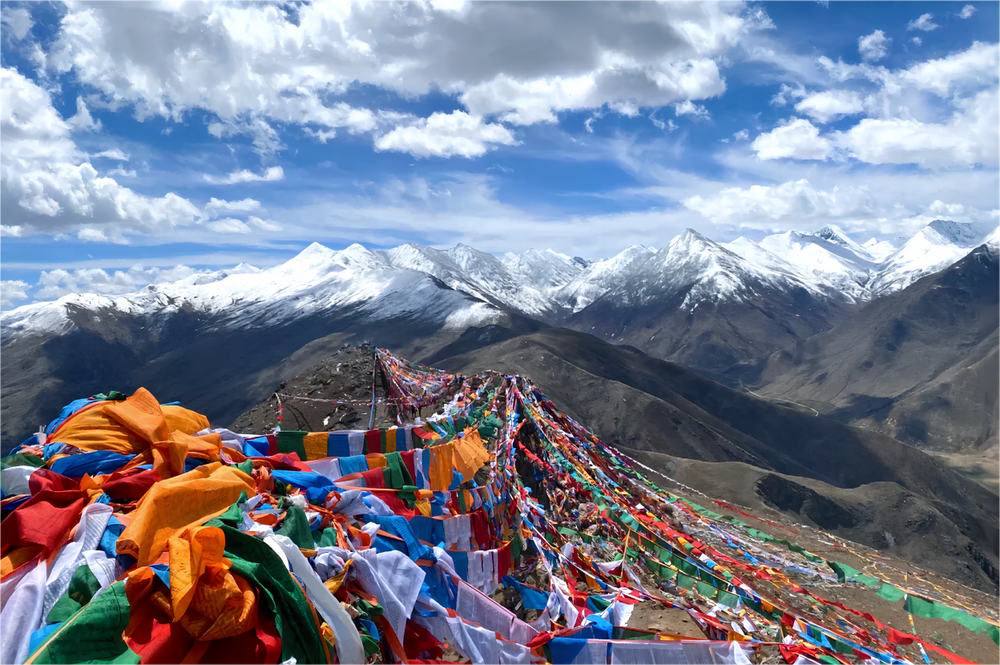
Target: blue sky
(141, 142)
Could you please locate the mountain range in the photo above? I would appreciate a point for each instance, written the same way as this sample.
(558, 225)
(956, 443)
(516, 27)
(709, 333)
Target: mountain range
(722, 309)
(804, 372)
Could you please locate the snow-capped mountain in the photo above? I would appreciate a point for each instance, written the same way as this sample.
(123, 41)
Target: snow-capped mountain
(469, 270)
(703, 305)
(827, 257)
(546, 270)
(319, 281)
(935, 247)
(830, 258)
(542, 284)
(599, 277)
(880, 249)
(710, 306)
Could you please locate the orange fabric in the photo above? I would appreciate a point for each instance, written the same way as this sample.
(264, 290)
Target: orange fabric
(376, 460)
(316, 445)
(140, 425)
(177, 504)
(91, 429)
(140, 413)
(440, 471)
(337, 580)
(469, 454)
(18, 558)
(192, 555)
(223, 604)
(183, 420)
(390, 440)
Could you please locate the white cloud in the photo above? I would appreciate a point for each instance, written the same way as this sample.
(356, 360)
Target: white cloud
(667, 126)
(16, 23)
(12, 290)
(91, 235)
(830, 104)
(47, 186)
(787, 93)
(766, 204)
(687, 107)
(874, 46)
(796, 139)
(967, 11)
(264, 224)
(216, 207)
(83, 121)
(969, 137)
(902, 128)
(229, 225)
(113, 153)
(924, 23)
(446, 135)
(253, 67)
(917, 41)
(741, 135)
(938, 207)
(973, 68)
(60, 282)
(272, 174)
(120, 171)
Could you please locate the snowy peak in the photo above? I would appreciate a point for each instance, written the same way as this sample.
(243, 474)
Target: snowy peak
(359, 256)
(471, 271)
(993, 238)
(834, 234)
(600, 276)
(839, 263)
(945, 231)
(544, 269)
(879, 249)
(754, 253)
(935, 247)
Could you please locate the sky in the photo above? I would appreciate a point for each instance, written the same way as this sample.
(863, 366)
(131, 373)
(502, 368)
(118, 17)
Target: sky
(140, 143)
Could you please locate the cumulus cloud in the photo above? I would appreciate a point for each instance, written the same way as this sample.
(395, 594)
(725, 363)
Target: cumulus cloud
(120, 171)
(264, 224)
(446, 135)
(901, 130)
(12, 290)
(741, 135)
(969, 137)
(60, 282)
(786, 93)
(16, 23)
(830, 104)
(48, 186)
(874, 46)
(113, 153)
(243, 176)
(941, 208)
(229, 225)
(687, 107)
(924, 23)
(83, 121)
(917, 41)
(253, 66)
(795, 199)
(973, 68)
(796, 139)
(967, 11)
(216, 207)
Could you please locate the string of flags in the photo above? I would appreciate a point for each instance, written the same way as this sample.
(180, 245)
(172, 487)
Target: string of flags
(499, 530)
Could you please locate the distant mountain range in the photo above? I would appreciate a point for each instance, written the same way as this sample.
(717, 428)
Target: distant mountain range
(219, 340)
